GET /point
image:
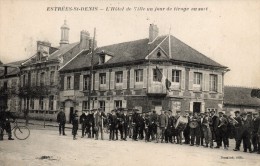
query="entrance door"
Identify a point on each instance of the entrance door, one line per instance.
(71, 113)
(197, 107)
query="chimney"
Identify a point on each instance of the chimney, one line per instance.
(64, 34)
(153, 32)
(84, 40)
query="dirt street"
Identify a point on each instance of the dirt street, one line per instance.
(46, 147)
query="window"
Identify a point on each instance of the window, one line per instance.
(69, 82)
(213, 82)
(197, 78)
(51, 100)
(102, 59)
(42, 79)
(86, 82)
(52, 78)
(157, 75)
(32, 104)
(119, 77)
(102, 104)
(85, 105)
(139, 75)
(176, 75)
(118, 103)
(102, 77)
(41, 103)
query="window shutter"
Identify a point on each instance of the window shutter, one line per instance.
(125, 79)
(220, 83)
(96, 81)
(191, 106)
(92, 80)
(206, 82)
(183, 79)
(170, 74)
(54, 103)
(150, 77)
(72, 82)
(203, 81)
(62, 82)
(132, 78)
(191, 80)
(47, 78)
(81, 83)
(112, 80)
(107, 80)
(144, 78)
(111, 104)
(76, 81)
(65, 83)
(56, 77)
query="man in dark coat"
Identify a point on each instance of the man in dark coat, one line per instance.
(5, 119)
(61, 119)
(154, 118)
(83, 121)
(255, 139)
(135, 123)
(75, 124)
(186, 131)
(141, 126)
(244, 134)
(222, 129)
(112, 120)
(125, 120)
(170, 125)
(91, 124)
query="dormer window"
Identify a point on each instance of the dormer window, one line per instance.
(159, 54)
(104, 57)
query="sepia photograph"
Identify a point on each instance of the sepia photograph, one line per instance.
(123, 83)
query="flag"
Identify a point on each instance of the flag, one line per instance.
(161, 77)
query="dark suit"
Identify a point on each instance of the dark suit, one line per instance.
(61, 119)
(125, 120)
(255, 138)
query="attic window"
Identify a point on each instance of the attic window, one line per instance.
(159, 54)
(102, 59)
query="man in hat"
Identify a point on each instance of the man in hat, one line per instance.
(186, 131)
(75, 124)
(163, 122)
(154, 118)
(222, 128)
(83, 122)
(255, 138)
(61, 119)
(91, 124)
(206, 130)
(98, 124)
(125, 121)
(214, 122)
(168, 132)
(195, 129)
(244, 134)
(135, 123)
(5, 119)
(141, 126)
(112, 122)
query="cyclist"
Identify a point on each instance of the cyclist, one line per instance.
(5, 119)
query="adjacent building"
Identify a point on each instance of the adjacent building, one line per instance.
(126, 75)
(240, 99)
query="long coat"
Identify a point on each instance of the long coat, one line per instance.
(163, 120)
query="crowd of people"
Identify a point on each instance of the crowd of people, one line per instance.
(198, 129)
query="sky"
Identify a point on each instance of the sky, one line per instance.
(226, 32)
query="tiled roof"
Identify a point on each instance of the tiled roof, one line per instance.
(12, 69)
(62, 50)
(239, 96)
(139, 49)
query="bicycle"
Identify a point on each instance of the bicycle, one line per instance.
(20, 132)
